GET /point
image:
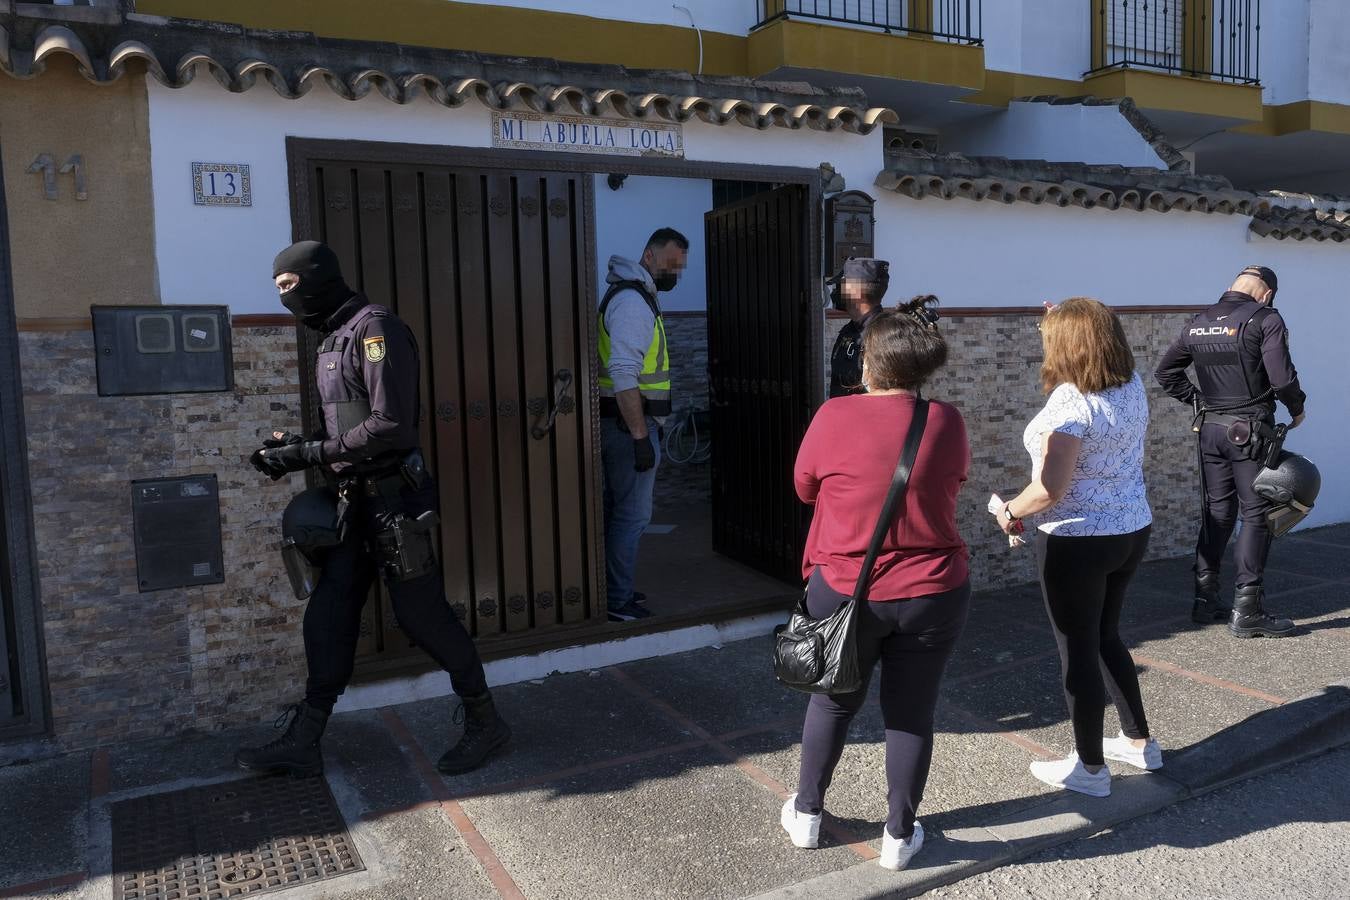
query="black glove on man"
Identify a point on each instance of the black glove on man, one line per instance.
(288, 453)
(644, 454)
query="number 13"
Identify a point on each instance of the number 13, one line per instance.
(228, 179)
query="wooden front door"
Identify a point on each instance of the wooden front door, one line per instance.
(489, 269)
(759, 334)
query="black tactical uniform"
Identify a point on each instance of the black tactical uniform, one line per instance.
(846, 358)
(1240, 351)
(367, 380)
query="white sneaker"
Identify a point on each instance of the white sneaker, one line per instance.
(1068, 773)
(1122, 749)
(803, 828)
(895, 853)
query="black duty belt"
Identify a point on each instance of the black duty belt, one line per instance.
(1225, 421)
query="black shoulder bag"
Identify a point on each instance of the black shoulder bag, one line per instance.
(820, 656)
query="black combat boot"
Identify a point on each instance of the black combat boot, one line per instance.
(1250, 618)
(296, 752)
(1207, 608)
(484, 731)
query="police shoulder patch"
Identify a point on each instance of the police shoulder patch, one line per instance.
(374, 349)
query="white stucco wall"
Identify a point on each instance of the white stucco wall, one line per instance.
(1038, 37)
(626, 217)
(1328, 51)
(1284, 53)
(991, 254)
(1061, 133)
(224, 255)
(969, 254)
(728, 16)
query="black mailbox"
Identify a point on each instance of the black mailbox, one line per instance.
(177, 527)
(162, 349)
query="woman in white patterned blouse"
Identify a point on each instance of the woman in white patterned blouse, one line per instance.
(1087, 501)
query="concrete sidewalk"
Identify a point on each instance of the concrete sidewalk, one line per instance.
(663, 778)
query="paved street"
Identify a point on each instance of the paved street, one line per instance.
(662, 778)
(1282, 835)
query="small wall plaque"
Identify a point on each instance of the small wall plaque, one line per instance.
(580, 134)
(221, 184)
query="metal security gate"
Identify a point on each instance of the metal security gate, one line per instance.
(489, 269)
(22, 694)
(10, 695)
(759, 336)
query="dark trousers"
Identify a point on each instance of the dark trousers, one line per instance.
(333, 617)
(1229, 476)
(1083, 580)
(913, 639)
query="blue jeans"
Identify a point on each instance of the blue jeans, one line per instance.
(628, 506)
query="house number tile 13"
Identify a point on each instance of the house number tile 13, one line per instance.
(221, 184)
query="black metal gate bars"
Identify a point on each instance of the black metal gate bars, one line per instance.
(488, 267)
(759, 321)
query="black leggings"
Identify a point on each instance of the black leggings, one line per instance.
(333, 617)
(913, 639)
(1083, 580)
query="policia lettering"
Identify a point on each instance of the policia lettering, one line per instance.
(1239, 348)
(378, 514)
(654, 379)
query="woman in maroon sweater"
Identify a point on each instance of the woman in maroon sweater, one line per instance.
(920, 592)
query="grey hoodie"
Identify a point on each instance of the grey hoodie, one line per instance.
(630, 323)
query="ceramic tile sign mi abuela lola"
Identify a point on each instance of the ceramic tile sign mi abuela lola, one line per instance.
(579, 134)
(221, 184)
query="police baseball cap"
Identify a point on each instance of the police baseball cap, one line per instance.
(1265, 274)
(866, 269)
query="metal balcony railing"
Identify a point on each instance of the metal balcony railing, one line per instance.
(954, 21)
(1217, 39)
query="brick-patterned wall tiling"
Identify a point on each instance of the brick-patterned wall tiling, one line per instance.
(122, 664)
(993, 377)
(682, 486)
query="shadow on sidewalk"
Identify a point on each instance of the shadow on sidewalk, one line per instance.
(663, 733)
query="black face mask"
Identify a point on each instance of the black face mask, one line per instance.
(665, 281)
(321, 290)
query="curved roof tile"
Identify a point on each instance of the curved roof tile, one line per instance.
(919, 174)
(175, 51)
(1302, 224)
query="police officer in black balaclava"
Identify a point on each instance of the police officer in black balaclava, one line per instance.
(367, 381)
(857, 290)
(1240, 350)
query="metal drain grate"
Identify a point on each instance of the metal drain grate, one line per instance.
(235, 839)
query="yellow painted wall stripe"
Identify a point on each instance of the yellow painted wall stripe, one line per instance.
(810, 45)
(505, 30)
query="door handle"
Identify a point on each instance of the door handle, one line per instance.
(561, 403)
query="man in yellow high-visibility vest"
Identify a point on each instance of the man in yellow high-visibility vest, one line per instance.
(634, 400)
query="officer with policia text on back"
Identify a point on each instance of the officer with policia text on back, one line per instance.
(858, 290)
(1240, 350)
(634, 381)
(379, 516)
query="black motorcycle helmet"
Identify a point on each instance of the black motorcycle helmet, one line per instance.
(1291, 487)
(309, 529)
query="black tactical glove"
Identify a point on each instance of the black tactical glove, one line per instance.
(644, 454)
(286, 437)
(289, 457)
(256, 460)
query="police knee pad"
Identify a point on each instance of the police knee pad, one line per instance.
(407, 547)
